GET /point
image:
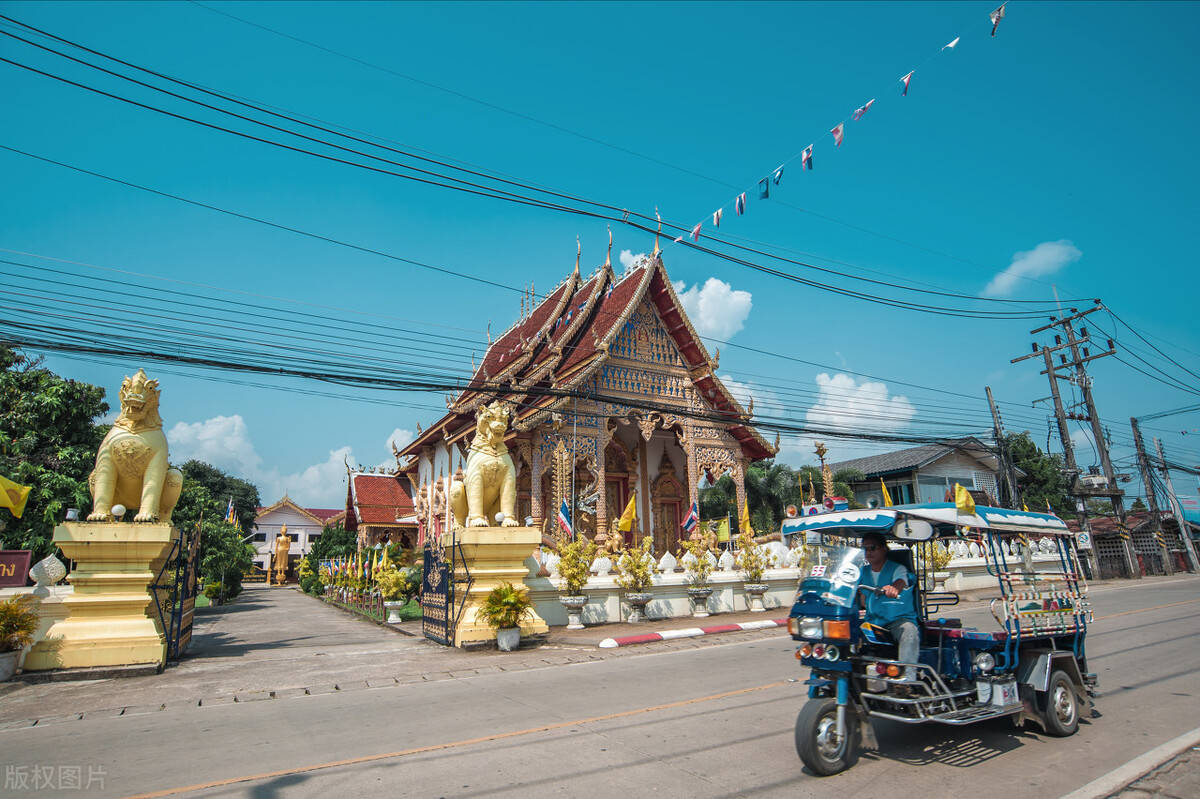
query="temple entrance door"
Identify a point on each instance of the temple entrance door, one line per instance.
(666, 526)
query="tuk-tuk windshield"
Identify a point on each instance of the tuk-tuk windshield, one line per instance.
(830, 569)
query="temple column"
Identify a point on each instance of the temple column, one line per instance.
(739, 481)
(602, 485)
(646, 523)
(535, 488)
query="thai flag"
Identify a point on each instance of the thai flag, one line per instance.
(692, 519)
(740, 203)
(564, 518)
(839, 132)
(696, 231)
(858, 112)
(906, 80)
(806, 158)
(717, 217)
(230, 513)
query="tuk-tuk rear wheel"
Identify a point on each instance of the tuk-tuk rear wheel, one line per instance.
(1061, 714)
(817, 742)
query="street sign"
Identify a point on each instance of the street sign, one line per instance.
(1083, 539)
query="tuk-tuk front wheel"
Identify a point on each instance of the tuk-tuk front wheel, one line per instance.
(1061, 715)
(818, 743)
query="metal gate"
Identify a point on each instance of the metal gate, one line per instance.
(1110, 556)
(442, 604)
(174, 592)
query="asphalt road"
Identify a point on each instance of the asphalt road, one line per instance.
(716, 720)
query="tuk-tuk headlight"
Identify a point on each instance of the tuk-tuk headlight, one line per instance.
(811, 628)
(984, 662)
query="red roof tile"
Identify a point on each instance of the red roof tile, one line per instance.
(610, 311)
(324, 514)
(381, 498)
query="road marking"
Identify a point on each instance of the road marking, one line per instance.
(1152, 607)
(1121, 776)
(453, 744)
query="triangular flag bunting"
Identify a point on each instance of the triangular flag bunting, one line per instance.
(778, 176)
(717, 217)
(838, 133)
(740, 204)
(806, 158)
(696, 231)
(952, 44)
(905, 80)
(858, 112)
(764, 189)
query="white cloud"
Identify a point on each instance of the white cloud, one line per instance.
(224, 442)
(1044, 259)
(628, 259)
(716, 310)
(845, 404)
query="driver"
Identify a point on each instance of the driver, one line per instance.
(892, 607)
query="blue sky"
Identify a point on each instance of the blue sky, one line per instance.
(1069, 137)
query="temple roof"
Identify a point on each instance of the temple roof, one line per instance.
(566, 338)
(378, 499)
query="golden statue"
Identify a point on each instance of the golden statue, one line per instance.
(283, 545)
(131, 464)
(489, 485)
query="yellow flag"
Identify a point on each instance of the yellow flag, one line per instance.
(962, 500)
(629, 516)
(385, 562)
(887, 498)
(13, 496)
(744, 519)
(1024, 507)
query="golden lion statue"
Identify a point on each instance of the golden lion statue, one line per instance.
(131, 464)
(489, 484)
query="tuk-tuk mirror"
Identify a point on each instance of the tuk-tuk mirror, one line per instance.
(907, 529)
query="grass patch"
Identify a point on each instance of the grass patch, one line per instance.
(410, 611)
(202, 601)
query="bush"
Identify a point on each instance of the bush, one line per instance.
(212, 591)
(18, 622)
(750, 559)
(635, 568)
(399, 585)
(506, 606)
(575, 564)
(698, 571)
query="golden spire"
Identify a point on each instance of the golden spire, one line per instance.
(608, 257)
(578, 254)
(657, 249)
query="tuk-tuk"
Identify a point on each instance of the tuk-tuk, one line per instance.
(1032, 668)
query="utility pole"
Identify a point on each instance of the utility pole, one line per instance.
(1151, 497)
(1006, 464)
(1184, 533)
(1082, 487)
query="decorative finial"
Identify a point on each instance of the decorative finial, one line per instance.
(489, 332)
(608, 257)
(578, 254)
(657, 249)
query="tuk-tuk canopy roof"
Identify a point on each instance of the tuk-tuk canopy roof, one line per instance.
(937, 514)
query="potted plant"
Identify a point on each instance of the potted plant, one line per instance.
(397, 586)
(575, 567)
(504, 609)
(698, 567)
(635, 573)
(752, 563)
(18, 623)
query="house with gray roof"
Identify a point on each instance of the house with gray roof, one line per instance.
(926, 473)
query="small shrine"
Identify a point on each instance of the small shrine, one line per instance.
(612, 395)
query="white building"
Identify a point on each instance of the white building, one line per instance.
(304, 526)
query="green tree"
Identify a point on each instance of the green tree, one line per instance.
(48, 441)
(222, 487)
(335, 542)
(1138, 506)
(1043, 478)
(224, 558)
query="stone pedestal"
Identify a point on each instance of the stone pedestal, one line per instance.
(494, 555)
(108, 614)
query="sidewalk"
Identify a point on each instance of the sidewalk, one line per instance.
(276, 643)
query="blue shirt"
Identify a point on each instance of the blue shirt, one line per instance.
(884, 610)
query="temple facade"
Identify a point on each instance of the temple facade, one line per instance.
(612, 394)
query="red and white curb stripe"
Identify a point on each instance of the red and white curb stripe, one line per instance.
(690, 632)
